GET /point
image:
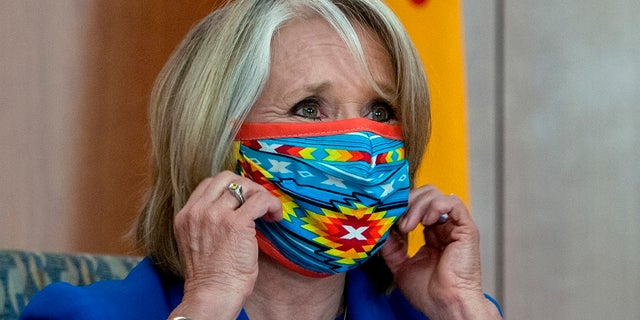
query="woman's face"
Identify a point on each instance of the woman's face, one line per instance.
(314, 77)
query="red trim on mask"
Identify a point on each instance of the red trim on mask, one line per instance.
(268, 248)
(271, 130)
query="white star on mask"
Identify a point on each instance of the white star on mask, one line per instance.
(333, 181)
(279, 166)
(354, 233)
(271, 148)
(388, 188)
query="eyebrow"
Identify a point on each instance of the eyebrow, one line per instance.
(318, 87)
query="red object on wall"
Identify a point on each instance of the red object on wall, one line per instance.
(419, 2)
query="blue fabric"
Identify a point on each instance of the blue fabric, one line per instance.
(141, 295)
(495, 302)
(24, 273)
(144, 294)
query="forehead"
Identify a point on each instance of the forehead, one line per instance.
(309, 44)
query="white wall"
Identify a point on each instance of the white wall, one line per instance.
(570, 88)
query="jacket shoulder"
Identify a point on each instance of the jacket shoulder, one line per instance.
(141, 294)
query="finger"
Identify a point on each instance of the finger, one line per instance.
(438, 207)
(252, 200)
(260, 203)
(237, 191)
(394, 251)
(209, 190)
(451, 206)
(419, 200)
(196, 194)
(432, 238)
(219, 190)
(213, 196)
(460, 224)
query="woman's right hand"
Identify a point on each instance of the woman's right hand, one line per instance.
(216, 239)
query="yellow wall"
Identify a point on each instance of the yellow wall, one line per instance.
(436, 29)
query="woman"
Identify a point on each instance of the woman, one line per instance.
(284, 137)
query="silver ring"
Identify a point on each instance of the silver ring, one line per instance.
(236, 191)
(443, 218)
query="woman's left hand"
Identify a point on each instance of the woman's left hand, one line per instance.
(443, 279)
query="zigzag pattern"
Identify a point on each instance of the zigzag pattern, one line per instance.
(261, 176)
(350, 233)
(329, 154)
(338, 205)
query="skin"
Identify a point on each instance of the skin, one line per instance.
(315, 78)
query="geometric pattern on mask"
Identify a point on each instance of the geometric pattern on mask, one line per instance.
(328, 154)
(350, 233)
(338, 204)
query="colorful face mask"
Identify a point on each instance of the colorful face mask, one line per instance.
(342, 185)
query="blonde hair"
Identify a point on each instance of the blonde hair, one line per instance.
(215, 76)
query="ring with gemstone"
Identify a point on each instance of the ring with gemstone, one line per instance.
(236, 191)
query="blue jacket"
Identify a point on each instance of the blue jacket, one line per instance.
(144, 294)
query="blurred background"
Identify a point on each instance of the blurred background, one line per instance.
(553, 89)
(551, 109)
